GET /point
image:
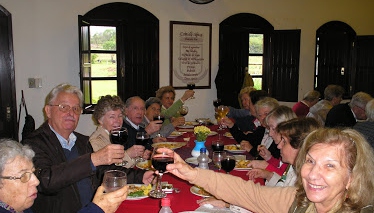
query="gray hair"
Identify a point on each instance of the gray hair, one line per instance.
(360, 99)
(130, 100)
(333, 91)
(272, 103)
(10, 149)
(106, 104)
(52, 95)
(152, 100)
(370, 110)
(280, 114)
(312, 95)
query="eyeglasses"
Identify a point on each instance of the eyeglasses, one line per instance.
(66, 108)
(24, 178)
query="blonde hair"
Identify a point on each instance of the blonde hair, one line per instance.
(359, 159)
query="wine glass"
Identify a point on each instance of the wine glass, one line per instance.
(159, 118)
(217, 157)
(114, 179)
(183, 110)
(220, 113)
(228, 163)
(142, 138)
(217, 102)
(191, 86)
(161, 157)
(218, 145)
(119, 135)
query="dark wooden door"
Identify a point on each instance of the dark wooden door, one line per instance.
(8, 106)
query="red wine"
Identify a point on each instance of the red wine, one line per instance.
(159, 118)
(191, 86)
(159, 163)
(141, 141)
(218, 147)
(118, 137)
(228, 164)
(183, 113)
(217, 102)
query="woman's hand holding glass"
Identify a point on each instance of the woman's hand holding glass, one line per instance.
(114, 180)
(119, 135)
(142, 139)
(161, 157)
(109, 202)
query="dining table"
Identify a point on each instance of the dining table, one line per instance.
(184, 198)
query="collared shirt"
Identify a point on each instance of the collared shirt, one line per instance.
(65, 143)
(132, 124)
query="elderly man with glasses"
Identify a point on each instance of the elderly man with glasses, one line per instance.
(68, 169)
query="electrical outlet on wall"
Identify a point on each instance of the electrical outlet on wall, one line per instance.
(32, 83)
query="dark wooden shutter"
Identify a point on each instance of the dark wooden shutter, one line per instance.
(285, 66)
(363, 76)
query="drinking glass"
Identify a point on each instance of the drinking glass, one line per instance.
(142, 138)
(217, 157)
(159, 118)
(114, 179)
(221, 112)
(218, 145)
(217, 102)
(228, 163)
(183, 110)
(161, 157)
(191, 86)
(119, 135)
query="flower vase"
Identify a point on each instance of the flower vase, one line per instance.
(196, 150)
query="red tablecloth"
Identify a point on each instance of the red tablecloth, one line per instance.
(185, 200)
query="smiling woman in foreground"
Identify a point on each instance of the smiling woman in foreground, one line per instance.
(334, 168)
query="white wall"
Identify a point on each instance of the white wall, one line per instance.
(45, 37)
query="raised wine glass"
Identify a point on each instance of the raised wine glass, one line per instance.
(220, 113)
(191, 86)
(114, 180)
(183, 110)
(161, 157)
(218, 145)
(142, 138)
(159, 118)
(217, 157)
(228, 163)
(119, 135)
(217, 102)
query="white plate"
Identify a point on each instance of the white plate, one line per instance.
(227, 148)
(145, 165)
(228, 135)
(193, 160)
(175, 134)
(170, 145)
(195, 190)
(242, 168)
(136, 198)
(212, 133)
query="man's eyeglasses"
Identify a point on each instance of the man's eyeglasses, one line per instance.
(24, 178)
(66, 108)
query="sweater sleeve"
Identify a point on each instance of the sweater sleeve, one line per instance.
(247, 194)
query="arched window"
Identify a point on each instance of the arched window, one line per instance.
(119, 46)
(249, 43)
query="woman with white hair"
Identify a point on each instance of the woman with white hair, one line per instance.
(367, 127)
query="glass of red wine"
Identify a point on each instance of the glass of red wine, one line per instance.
(228, 163)
(191, 86)
(217, 145)
(161, 157)
(159, 118)
(119, 135)
(142, 138)
(217, 102)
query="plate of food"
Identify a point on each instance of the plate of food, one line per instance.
(175, 134)
(193, 160)
(199, 191)
(138, 191)
(212, 133)
(228, 135)
(189, 124)
(242, 165)
(170, 145)
(233, 148)
(145, 165)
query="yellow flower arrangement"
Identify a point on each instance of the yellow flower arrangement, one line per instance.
(201, 132)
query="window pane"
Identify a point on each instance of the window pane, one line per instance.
(101, 88)
(257, 83)
(256, 43)
(103, 38)
(86, 90)
(255, 65)
(104, 65)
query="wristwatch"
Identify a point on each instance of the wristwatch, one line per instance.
(201, 1)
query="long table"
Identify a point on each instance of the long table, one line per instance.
(184, 200)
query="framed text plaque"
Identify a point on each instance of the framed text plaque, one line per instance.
(190, 54)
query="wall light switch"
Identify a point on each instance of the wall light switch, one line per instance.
(31, 82)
